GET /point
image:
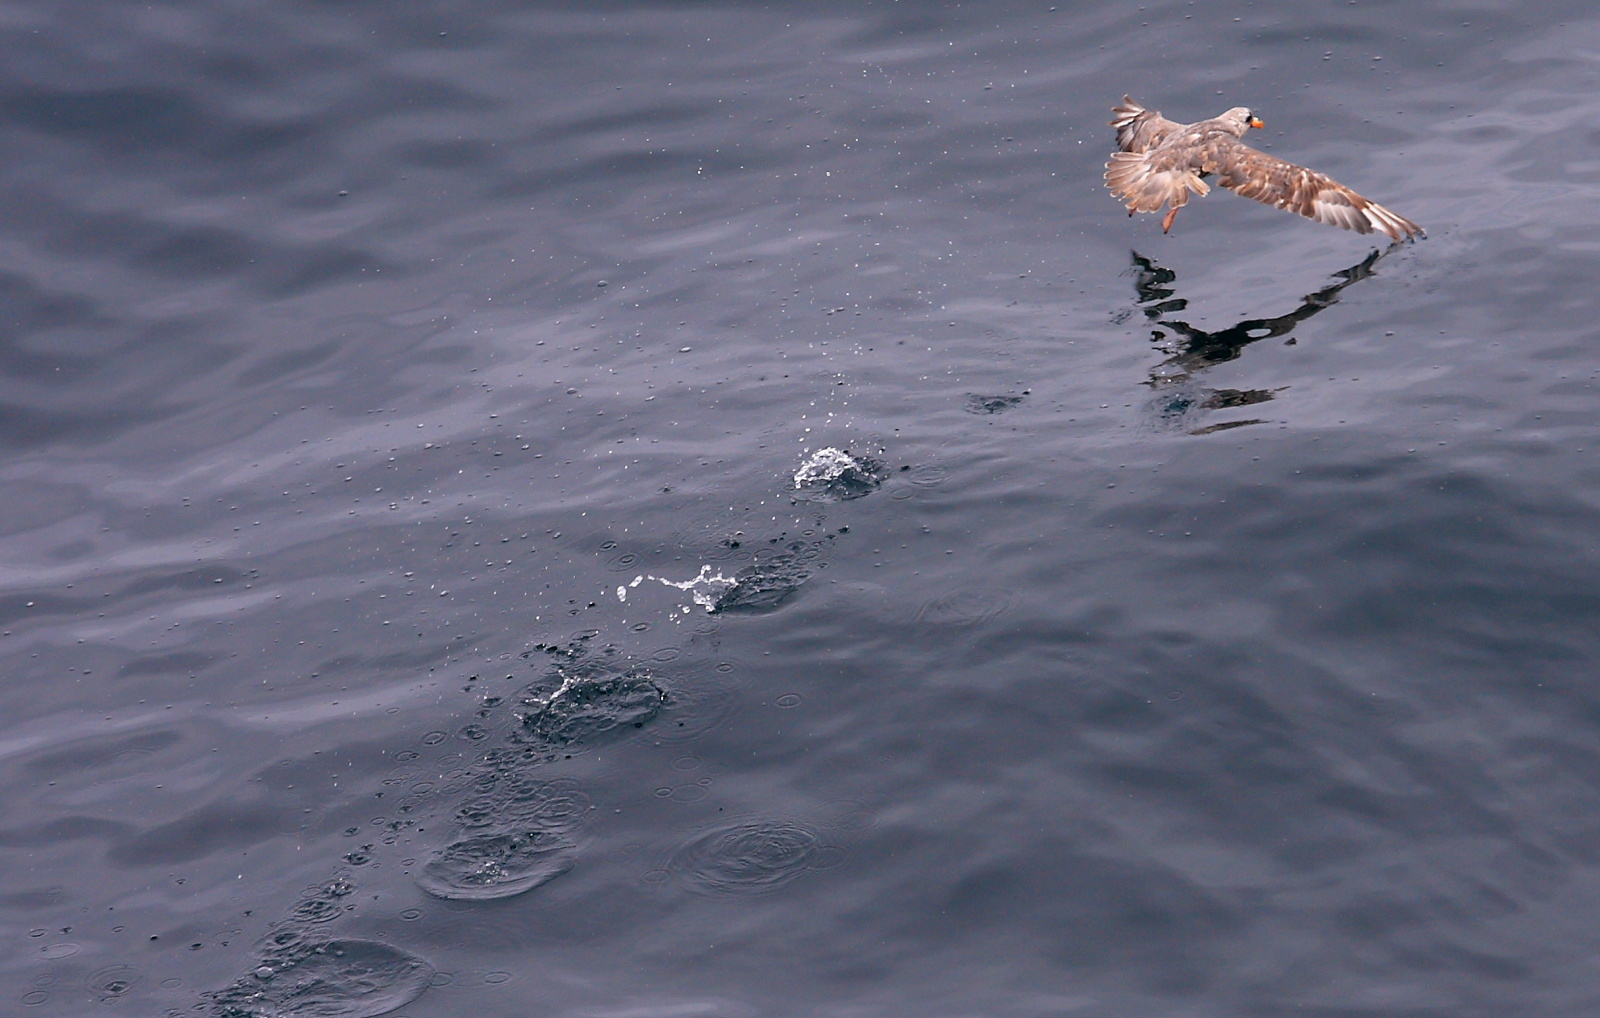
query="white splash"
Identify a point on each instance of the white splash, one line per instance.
(705, 588)
(567, 682)
(823, 466)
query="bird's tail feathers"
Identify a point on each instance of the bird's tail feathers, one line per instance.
(1126, 112)
(1131, 178)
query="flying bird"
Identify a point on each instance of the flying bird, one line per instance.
(1162, 162)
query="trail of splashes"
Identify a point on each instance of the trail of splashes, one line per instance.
(706, 589)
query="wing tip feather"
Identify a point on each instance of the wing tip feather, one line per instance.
(1398, 227)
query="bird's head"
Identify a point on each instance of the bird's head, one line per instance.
(1242, 119)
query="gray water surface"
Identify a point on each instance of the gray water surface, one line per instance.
(1205, 624)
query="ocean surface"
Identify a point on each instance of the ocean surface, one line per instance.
(709, 510)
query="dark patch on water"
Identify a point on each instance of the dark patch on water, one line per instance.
(581, 702)
(1223, 399)
(764, 585)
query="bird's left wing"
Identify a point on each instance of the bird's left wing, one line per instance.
(1272, 181)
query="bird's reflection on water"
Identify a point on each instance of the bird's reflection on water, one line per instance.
(1190, 350)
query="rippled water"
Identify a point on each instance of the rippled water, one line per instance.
(1202, 624)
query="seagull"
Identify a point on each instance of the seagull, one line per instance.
(1160, 162)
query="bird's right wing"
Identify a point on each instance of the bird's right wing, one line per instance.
(1139, 129)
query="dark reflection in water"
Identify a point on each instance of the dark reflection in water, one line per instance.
(1191, 349)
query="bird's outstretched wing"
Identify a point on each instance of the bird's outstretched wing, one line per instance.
(1271, 181)
(1139, 129)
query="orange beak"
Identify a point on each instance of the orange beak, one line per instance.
(1256, 122)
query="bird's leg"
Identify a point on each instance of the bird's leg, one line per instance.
(1166, 220)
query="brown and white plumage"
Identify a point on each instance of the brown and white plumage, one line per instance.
(1161, 162)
